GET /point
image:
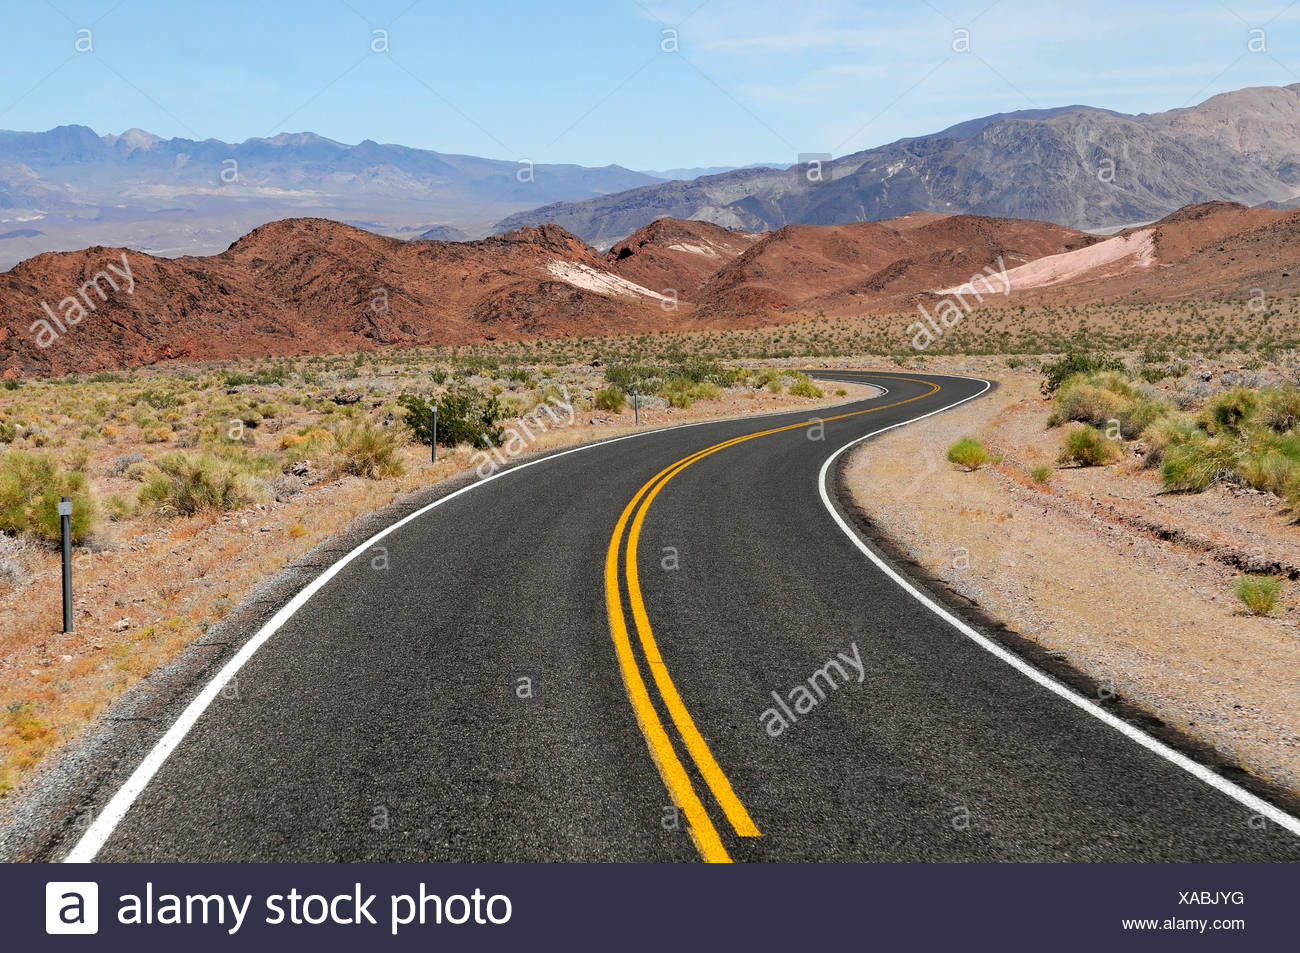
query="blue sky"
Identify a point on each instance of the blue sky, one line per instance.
(592, 82)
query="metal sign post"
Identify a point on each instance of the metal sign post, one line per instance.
(65, 520)
(636, 409)
(433, 438)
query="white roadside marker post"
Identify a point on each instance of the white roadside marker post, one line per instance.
(65, 520)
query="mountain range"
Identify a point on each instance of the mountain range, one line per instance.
(1078, 166)
(305, 286)
(70, 187)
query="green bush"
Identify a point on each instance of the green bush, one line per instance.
(1073, 362)
(365, 450)
(1106, 396)
(1279, 407)
(629, 377)
(1041, 473)
(610, 398)
(31, 485)
(803, 387)
(1291, 493)
(1259, 594)
(969, 453)
(186, 484)
(1163, 434)
(1227, 412)
(1087, 403)
(1196, 463)
(679, 392)
(1268, 470)
(465, 415)
(1086, 446)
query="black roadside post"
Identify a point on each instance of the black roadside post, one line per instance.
(65, 519)
(636, 410)
(433, 434)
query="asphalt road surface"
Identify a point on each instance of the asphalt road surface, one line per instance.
(494, 683)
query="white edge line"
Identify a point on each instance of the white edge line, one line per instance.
(101, 829)
(1159, 748)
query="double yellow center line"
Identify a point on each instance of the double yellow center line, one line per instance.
(662, 752)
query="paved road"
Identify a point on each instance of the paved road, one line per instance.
(385, 721)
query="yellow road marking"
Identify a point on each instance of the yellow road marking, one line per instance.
(676, 780)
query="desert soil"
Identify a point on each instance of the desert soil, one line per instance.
(1133, 586)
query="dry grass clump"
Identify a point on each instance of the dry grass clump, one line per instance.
(1259, 594)
(186, 483)
(365, 450)
(31, 485)
(968, 453)
(1087, 446)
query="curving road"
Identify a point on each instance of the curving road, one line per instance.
(577, 661)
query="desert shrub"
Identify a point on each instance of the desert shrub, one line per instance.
(678, 392)
(517, 376)
(1227, 412)
(1056, 373)
(1291, 493)
(1197, 462)
(305, 444)
(1279, 407)
(123, 462)
(140, 471)
(1086, 446)
(465, 415)
(803, 387)
(1041, 473)
(968, 453)
(1259, 594)
(1163, 434)
(185, 484)
(78, 457)
(610, 398)
(31, 485)
(1154, 373)
(1139, 413)
(1267, 469)
(682, 392)
(8, 432)
(1088, 403)
(733, 376)
(628, 376)
(363, 449)
(1106, 396)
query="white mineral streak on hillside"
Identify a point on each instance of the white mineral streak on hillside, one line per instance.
(1117, 255)
(601, 282)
